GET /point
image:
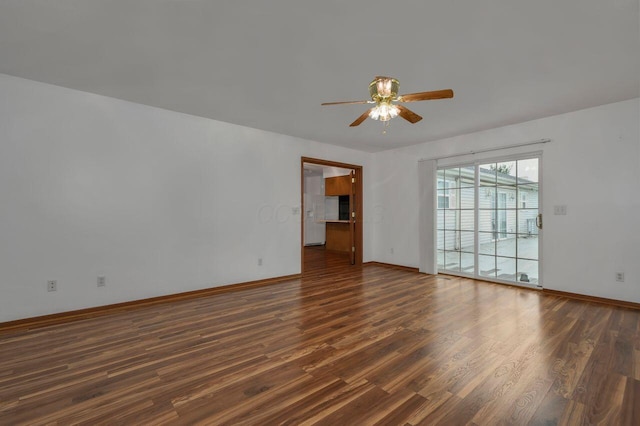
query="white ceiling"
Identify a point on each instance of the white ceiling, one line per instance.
(269, 64)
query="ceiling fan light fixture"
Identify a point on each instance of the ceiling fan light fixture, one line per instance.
(384, 111)
(384, 91)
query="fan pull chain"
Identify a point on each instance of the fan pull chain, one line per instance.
(384, 128)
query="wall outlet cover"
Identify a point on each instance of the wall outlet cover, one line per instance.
(560, 210)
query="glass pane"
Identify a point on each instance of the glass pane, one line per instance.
(467, 220)
(440, 240)
(452, 261)
(511, 221)
(452, 220)
(528, 271)
(440, 260)
(487, 220)
(528, 246)
(443, 199)
(507, 246)
(503, 222)
(454, 198)
(451, 240)
(440, 179)
(487, 197)
(467, 176)
(488, 174)
(506, 172)
(467, 241)
(528, 196)
(502, 200)
(505, 185)
(440, 216)
(528, 170)
(507, 197)
(527, 222)
(487, 266)
(506, 268)
(487, 244)
(467, 196)
(467, 263)
(453, 175)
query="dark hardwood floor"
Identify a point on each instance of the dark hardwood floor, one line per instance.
(341, 346)
(317, 260)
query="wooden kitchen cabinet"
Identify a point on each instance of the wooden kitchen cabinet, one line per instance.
(338, 185)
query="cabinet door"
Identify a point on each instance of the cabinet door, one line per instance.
(338, 237)
(339, 185)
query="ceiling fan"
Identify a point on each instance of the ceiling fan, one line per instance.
(384, 92)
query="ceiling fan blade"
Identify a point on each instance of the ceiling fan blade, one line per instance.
(408, 115)
(360, 119)
(346, 103)
(425, 96)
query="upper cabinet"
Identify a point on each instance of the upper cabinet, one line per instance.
(338, 185)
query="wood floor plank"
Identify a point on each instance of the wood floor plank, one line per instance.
(550, 410)
(631, 402)
(341, 345)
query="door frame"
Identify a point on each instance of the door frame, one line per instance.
(498, 159)
(358, 234)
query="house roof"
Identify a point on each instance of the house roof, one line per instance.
(269, 64)
(500, 177)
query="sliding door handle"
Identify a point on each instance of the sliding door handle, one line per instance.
(539, 221)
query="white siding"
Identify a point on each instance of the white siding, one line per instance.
(456, 223)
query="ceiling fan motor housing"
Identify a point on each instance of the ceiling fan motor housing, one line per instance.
(384, 89)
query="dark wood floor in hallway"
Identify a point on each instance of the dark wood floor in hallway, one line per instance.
(341, 346)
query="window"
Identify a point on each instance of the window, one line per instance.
(443, 201)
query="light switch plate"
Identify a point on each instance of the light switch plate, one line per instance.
(560, 210)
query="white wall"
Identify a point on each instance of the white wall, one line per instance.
(592, 166)
(161, 202)
(158, 202)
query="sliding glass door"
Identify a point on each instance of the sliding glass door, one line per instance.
(487, 220)
(456, 219)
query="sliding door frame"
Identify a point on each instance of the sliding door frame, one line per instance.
(476, 163)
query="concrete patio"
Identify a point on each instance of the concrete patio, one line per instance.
(497, 260)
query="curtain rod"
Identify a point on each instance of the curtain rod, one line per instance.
(487, 150)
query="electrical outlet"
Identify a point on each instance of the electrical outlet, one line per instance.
(391, 250)
(102, 281)
(259, 261)
(620, 277)
(52, 285)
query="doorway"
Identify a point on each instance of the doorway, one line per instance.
(331, 225)
(489, 220)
